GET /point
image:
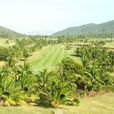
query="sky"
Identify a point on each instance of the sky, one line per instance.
(49, 16)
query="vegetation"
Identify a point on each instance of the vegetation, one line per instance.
(7, 33)
(66, 84)
(48, 57)
(103, 30)
(102, 104)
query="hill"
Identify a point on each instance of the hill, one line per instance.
(7, 33)
(90, 30)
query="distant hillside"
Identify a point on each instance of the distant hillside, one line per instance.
(90, 30)
(7, 33)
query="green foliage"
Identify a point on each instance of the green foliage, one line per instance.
(97, 63)
(103, 30)
(18, 83)
(68, 69)
(53, 91)
(100, 43)
(68, 47)
(7, 33)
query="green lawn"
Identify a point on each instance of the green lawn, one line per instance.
(110, 45)
(25, 110)
(49, 57)
(102, 104)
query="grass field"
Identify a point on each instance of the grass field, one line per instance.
(102, 104)
(49, 57)
(111, 45)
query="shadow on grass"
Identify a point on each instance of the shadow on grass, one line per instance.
(74, 55)
(49, 106)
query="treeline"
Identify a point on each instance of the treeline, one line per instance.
(22, 49)
(84, 36)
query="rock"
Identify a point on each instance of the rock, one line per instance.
(58, 111)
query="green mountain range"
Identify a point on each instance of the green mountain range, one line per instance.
(90, 30)
(7, 33)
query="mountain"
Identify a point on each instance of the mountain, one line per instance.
(90, 30)
(7, 33)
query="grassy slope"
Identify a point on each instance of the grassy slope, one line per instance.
(4, 44)
(102, 104)
(25, 110)
(49, 57)
(111, 45)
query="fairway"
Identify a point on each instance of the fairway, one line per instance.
(102, 104)
(110, 45)
(50, 56)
